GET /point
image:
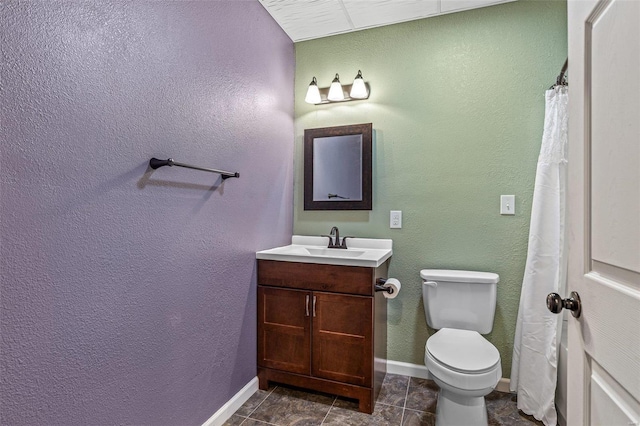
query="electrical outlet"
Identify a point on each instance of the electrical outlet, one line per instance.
(395, 219)
(508, 204)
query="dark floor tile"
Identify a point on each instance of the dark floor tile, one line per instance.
(235, 420)
(503, 411)
(513, 420)
(252, 422)
(493, 419)
(346, 403)
(418, 418)
(422, 395)
(530, 419)
(500, 396)
(394, 390)
(383, 415)
(252, 403)
(500, 404)
(287, 406)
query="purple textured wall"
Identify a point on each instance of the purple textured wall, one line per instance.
(128, 295)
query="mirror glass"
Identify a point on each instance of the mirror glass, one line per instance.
(338, 168)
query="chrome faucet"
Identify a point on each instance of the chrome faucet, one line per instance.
(334, 239)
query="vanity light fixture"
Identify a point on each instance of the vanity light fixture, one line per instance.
(337, 92)
(358, 88)
(313, 93)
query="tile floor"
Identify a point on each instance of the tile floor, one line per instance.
(403, 401)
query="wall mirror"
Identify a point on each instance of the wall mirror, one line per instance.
(337, 168)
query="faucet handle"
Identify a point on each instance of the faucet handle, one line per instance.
(344, 241)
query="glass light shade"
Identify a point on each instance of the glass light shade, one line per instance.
(313, 93)
(359, 89)
(335, 91)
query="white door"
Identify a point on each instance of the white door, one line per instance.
(604, 212)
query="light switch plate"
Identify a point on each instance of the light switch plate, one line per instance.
(395, 219)
(508, 204)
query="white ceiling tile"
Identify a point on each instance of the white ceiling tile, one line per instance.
(307, 19)
(454, 5)
(373, 13)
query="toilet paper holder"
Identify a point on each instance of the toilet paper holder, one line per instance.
(379, 286)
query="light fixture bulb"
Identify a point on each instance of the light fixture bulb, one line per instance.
(335, 91)
(313, 93)
(359, 89)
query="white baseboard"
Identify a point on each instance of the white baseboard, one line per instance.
(236, 401)
(421, 372)
(503, 385)
(407, 369)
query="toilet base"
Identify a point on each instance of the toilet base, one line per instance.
(454, 409)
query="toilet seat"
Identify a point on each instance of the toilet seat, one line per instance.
(463, 359)
(463, 350)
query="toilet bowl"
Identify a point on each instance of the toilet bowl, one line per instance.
(465, 365)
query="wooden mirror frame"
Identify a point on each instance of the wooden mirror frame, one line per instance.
(366, 130)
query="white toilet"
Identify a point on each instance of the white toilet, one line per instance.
(466, 366)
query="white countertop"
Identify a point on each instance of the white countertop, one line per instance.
(368, 252)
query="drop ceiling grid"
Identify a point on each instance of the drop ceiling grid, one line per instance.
(309, 19)
(373, 13)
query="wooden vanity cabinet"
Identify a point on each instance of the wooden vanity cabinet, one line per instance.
(322, 327)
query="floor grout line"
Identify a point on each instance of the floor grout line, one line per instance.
(257, 406)
(332, 404)
(257, 420)
(406, 395)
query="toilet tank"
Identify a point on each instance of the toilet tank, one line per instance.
(459, 299)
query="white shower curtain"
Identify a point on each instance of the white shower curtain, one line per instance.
(534, 369)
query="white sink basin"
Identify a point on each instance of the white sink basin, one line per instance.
(368, 252)
(334, 252)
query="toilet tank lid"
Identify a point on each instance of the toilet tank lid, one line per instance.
(459, 276)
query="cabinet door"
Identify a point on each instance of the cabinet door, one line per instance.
(284, 341)
(342, 337)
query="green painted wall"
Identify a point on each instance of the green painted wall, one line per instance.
(457, 105)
